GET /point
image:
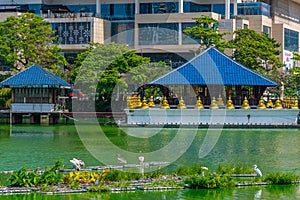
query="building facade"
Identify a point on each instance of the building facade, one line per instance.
(155, 28)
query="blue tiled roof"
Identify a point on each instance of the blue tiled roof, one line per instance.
(213, 67)
(34, 76)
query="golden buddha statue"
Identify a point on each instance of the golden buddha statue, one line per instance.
(270, 103)
(220, 101)
(245, 104)
(165, 104)
(261, 104)
(214, 104)
(295, 104)
(278, 105)
(151, 102)
(130, 103)
(199, 104)
(181, 104)
(144, 104)
(229, 104)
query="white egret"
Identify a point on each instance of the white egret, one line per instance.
(141, 158)
(77, 163)
(121, 160)
(203, 168)
(257, 171)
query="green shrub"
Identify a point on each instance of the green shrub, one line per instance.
(281, 178)
(209, 181)
(154, 174)
(99, 188)
(234, 169)
(117, 175)
(187, 170)
(28, 178)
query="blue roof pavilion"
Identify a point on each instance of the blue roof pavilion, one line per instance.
(36, 90)
(212, 74)
(35, 76)
(204, 68)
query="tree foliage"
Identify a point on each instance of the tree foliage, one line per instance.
(256, 51)
(104, 67)
(206, 31)
(26, 39)
(292, 79)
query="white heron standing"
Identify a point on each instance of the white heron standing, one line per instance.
(77, 163)
(141, 158)
(257, 171)
(203, 168)
(121, 160)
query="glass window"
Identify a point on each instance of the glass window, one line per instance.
(72, 33)
(267, 30)
(220, 9)
(258, 8)
(122, 32)
(187, 39)
(291, 40)
(193, 7)
(158, 34)
(160, 7)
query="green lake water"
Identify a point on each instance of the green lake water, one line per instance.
(271, 149)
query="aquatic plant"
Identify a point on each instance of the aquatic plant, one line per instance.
(163, 183)
(236, 168)
(84, 177)
(117, 175)
(209, 181)
(99, 188)
(281, 178)
(30, 178)
(189, 170)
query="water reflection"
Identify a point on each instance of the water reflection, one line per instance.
(283, 192)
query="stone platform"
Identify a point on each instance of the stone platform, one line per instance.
(157, 116)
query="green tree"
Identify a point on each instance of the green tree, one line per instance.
(206, 31)
(292, 79)
(5, 97)
(104, 67)
(26, 39)
(256, 51)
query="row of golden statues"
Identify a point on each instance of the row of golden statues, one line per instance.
(135, 102)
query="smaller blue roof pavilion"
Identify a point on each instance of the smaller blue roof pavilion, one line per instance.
(35, 76)
(212, 67)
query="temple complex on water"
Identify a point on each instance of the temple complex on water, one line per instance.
(211, 89)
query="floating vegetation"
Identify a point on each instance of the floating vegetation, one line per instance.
(53, 180)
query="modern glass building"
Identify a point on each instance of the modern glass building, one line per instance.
(155, 28)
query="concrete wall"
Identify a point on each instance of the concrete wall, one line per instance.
(207, 116)
(31, 107)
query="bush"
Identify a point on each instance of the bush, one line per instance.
(186, 170)
(99, 188)
(28, 178)
(281, 178)
(234, 169)
(84, 177)
(209, 181)
(117, 175)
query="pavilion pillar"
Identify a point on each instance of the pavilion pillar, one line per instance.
(239, 99)
(35, 118)
(17, 118)
(53, 118)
